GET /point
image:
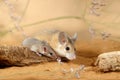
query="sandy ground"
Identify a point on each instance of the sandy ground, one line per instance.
(54, 72)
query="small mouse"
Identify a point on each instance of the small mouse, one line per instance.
(39, 47)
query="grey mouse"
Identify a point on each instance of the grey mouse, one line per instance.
(39, 47)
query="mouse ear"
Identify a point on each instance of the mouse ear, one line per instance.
(62, 38)
(74, 37)
(44, 49)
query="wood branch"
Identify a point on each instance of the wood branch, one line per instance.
(20, 56)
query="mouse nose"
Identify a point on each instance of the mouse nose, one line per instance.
(71, 56)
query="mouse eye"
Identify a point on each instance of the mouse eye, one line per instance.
(67, 48)
(51, 53)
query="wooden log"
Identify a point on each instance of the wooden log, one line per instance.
(19, 56)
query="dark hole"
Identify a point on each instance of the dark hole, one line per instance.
(75, 49)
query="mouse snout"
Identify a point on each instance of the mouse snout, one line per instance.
(53, 55)
(70, 56)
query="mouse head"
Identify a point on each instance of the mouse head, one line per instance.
(48, 51)
(66, 45)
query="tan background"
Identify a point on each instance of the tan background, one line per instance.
(40, 10)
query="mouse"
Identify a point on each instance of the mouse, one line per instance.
(39, 47)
